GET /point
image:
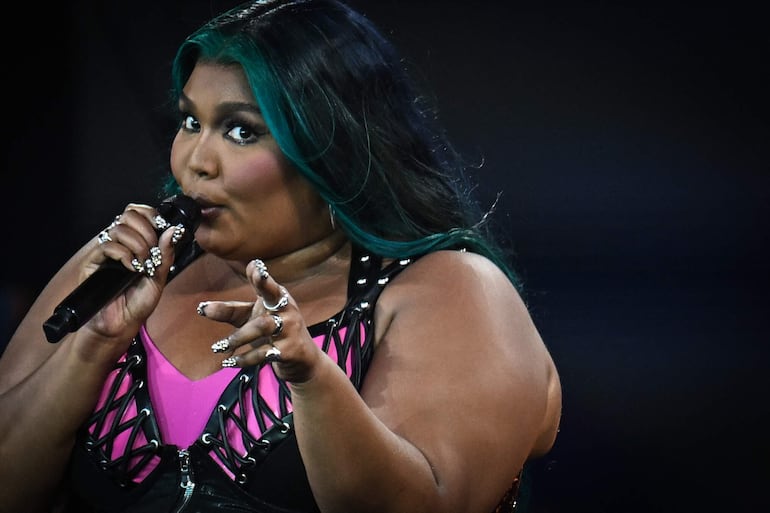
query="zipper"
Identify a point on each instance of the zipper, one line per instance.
(186, 482)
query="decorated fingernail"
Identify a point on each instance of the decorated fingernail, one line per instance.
(160, 222)
(261, 268)
(155, 256)
(221, 346)
(114, 222)
(273, 355)
(230, 362)
(138, 267)
(202, 308)
(149, 267)
(178, 233)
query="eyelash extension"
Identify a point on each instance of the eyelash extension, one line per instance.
(253, 128)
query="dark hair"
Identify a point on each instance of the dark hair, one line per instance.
(338, 100)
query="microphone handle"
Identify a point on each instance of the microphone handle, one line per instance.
(100, 288)
(112, 278)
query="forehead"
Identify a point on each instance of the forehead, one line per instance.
(225, 82)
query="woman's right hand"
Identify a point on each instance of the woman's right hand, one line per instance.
(61, 382)
(132, 240)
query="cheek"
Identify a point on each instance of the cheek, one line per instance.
(175, 159)
(258, 176)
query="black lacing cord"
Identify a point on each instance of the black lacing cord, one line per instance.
(227, 414)
(356, 316)
(351, 344)
(146, 451)
(230, 415)
(130, 368)
(122, 466)
(99, 417)
(220, 445)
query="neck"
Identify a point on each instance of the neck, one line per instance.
(307, 262)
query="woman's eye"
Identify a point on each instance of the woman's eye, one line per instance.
(241, 134)
(190, 124)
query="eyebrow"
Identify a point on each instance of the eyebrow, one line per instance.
(226, 108)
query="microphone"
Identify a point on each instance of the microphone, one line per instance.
(112, 278)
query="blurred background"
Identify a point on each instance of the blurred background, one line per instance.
(631, 148)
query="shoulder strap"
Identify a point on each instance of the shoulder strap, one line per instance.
(368, 278)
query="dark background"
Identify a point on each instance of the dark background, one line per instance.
(630, 145)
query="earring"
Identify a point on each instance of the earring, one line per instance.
(331, 216)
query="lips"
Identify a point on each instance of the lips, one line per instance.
(208, 207)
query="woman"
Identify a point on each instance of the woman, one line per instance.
(342, 335)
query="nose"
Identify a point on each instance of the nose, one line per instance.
(202, 159)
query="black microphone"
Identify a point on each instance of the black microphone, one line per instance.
(112, 278)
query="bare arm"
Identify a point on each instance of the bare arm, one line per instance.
(48, 390)
(460, 393)
(457, 398)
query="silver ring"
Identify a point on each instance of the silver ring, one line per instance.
(280, 305)
(103, 237)
(278, 325)
(273, 355)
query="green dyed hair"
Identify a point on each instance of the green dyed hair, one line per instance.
(338, 101)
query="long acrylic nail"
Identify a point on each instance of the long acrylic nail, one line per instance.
(221, 346)
(230, 362)
(160, 222)
(201, 309)
(261, 268)
(156, 256)
(149, 267)
(178, 234)
(138, 267)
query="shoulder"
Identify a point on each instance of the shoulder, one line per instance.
(456, 281)
(453, 326)
(450, 298)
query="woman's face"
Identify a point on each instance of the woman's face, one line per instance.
(254, 203)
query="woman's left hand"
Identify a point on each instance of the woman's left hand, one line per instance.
(270, 329)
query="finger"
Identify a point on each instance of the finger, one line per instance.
(254, 333)
(265, 353)
(236, 313)
(274, 296)
(158, 261)
(141, 218)
(131, 239)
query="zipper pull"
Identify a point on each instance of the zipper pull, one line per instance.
(186, 482)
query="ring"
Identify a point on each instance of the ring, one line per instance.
(278, 325)
(280, 305)
(103, 237)
(273, 355)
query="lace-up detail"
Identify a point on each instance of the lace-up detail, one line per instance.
(253, 414)
(118, 421)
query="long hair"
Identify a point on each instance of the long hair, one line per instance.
(339, 102)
